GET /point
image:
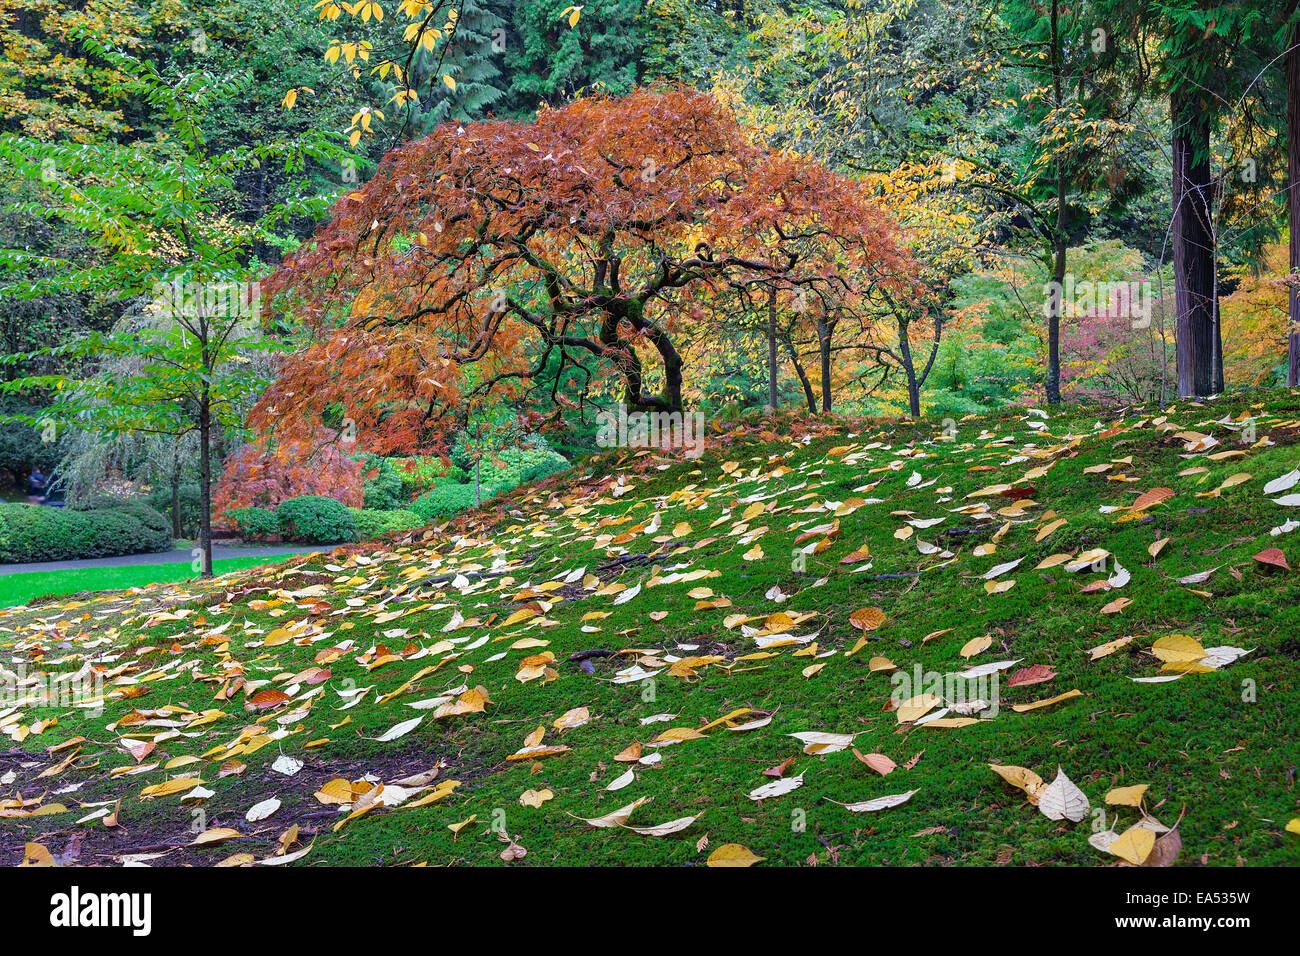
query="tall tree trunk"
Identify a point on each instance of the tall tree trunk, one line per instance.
(1057, 302)
(205, 451)
(771, 350)
(1056, 305)
(176, 496)
(909, 366)
(1293, 195)
(824, 330)
(205, 479)
(808, 395)
(1193, 248)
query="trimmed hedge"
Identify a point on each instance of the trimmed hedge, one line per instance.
(33, 533)
(307, 519)
(532, 461)
(371, 523)
(315, 519)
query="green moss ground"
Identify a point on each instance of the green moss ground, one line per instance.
(1217, 749)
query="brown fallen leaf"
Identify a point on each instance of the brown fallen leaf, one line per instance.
(1166, 850)
(877, 762)
(1273, 557)
(867, 618)
(929, 831)
(779, 770)
(1034, 674)
(1151, 498)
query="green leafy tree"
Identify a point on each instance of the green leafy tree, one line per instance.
(1073, 115)
(485, 434)
(262, 42)
(160, 212)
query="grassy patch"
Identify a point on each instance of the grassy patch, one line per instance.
(16, 589)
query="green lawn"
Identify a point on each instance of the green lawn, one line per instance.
(16, 589)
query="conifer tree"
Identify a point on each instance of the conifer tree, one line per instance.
(473, 62)
(555, 58)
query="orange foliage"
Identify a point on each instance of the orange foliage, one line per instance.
(1255, 321)
(600, 229)
(257, 475)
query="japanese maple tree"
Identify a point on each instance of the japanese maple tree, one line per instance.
(260, 476)
(600, 230)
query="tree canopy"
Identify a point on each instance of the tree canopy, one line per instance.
(599, 230)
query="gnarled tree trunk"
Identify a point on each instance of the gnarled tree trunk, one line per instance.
(808, 394)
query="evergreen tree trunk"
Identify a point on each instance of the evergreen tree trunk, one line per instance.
(1193, 249)
(1057, 301)
(1293, 196)
(771, 350)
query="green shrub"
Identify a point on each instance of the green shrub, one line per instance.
(383, 490)
(421, 474)
(315, 519)
(253, 522)
(32, 533)
(191, 506)
(157, 526)
(533, 460)
(541, 470)
(444, 491)
(371, 524)
(447, 500)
